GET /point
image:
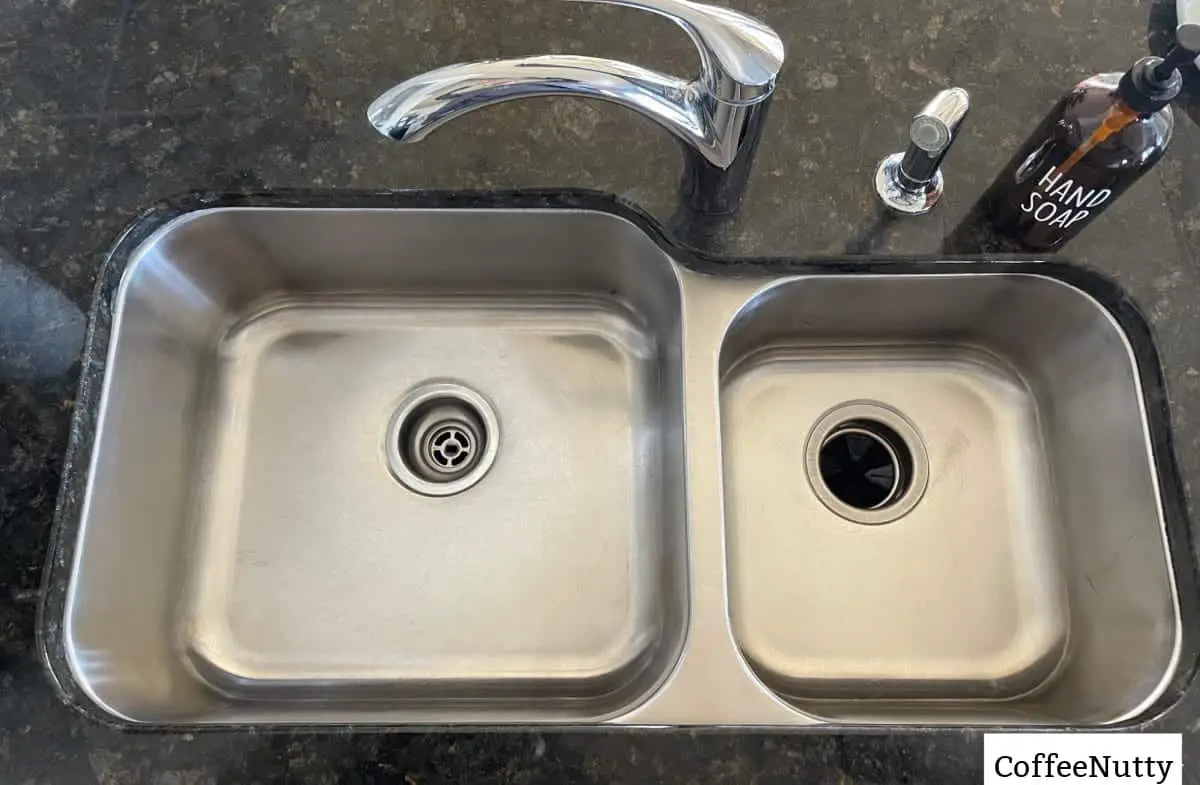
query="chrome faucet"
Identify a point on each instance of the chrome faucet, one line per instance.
(718, 115)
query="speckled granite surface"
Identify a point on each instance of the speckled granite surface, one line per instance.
(109, 105)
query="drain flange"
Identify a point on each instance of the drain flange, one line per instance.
(442, 439)
(866, 462)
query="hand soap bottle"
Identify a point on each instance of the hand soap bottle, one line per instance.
(1099, 138)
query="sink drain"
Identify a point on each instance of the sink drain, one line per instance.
(450, 449)
(866, 462)
(442, 439)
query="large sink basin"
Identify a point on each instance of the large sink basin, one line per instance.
(426, 461)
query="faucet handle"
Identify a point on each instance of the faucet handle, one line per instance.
(740, 55)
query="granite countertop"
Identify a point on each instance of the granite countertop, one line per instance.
(107, 106)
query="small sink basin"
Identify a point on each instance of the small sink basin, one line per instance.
(1017, 568)
(420, 461)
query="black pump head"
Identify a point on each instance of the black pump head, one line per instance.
(1145, 88)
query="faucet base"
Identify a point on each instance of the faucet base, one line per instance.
(709, 190)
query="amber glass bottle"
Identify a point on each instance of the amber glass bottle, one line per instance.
(1099, 138)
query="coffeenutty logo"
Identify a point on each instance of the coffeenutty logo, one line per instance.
(1093, 758)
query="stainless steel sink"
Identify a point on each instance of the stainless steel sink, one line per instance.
(439, 464)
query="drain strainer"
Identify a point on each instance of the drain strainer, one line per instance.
(450, 448)
(442, 439)
(866, 462)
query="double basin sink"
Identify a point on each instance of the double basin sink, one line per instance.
(448, 464)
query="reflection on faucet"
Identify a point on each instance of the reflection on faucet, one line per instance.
(718, 116)
(707, 233)
(41, 331)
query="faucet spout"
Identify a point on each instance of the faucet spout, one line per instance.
(412, 109)
(718, 116)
